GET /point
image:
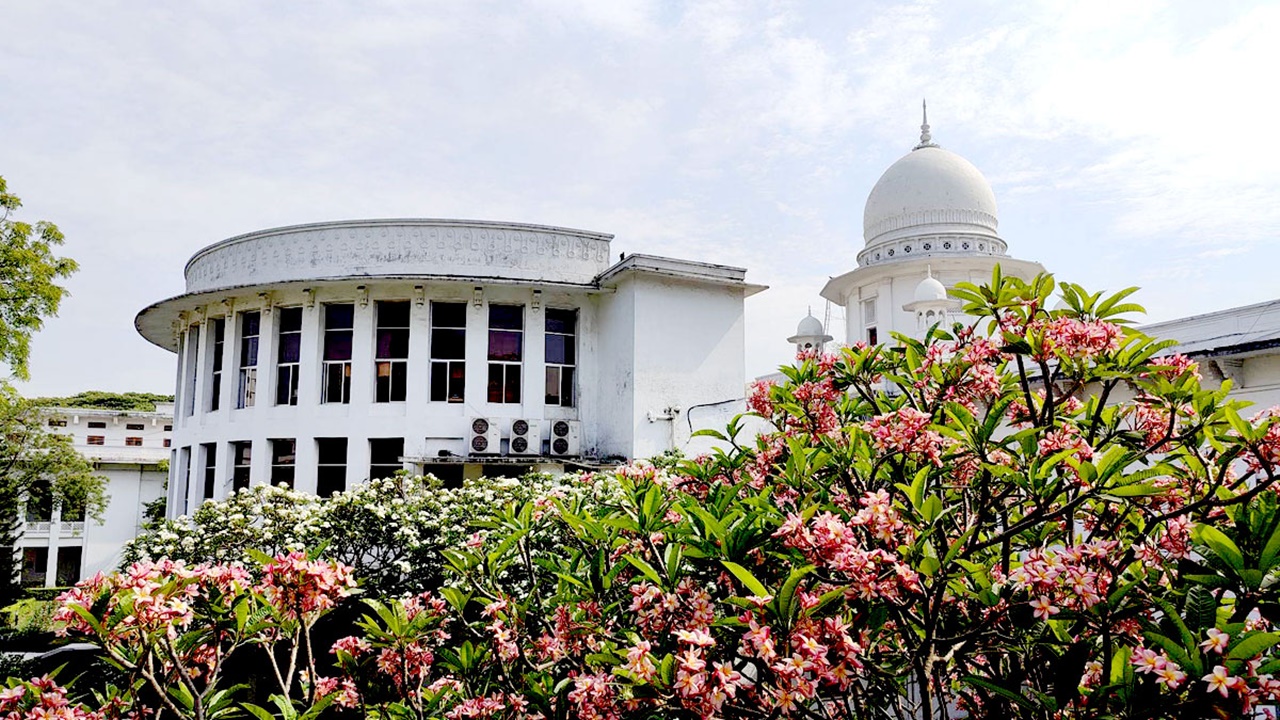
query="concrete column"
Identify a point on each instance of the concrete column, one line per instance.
(477, 385)
(418, 394)
(309, 357)
(362, 352)
(534, 374)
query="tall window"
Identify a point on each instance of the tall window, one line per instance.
(869, 321)
(287, 356)
(392, 353)
(506, 351)
(448, 351)
(241, 456)
(219, 341)
(384, 456)
(68, 568)
(35, 561)
(331, 466)
(192, 348)
(210, 469)
(562, 356)
(284, 454)
(250, 324)
(336, 367)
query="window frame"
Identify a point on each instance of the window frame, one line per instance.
(250, 344)
(287, 371)
(447, 374)
(558, 369)
(507, 391)
(389, 363)
(337, 369)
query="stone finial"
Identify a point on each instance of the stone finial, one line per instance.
(926, 139)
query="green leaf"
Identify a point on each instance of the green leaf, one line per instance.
(746, 578)
(257, 711)
(1220, 544)
(644, 567)
(1019, 700)
(1271, 551)
(1253, 645)
(1201, 608)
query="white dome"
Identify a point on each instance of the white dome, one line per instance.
(930, 289)
(929, 191)
(810, 325)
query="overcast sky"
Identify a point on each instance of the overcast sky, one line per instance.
(1128, 142)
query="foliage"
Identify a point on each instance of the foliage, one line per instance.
(393, 530)
(173, 630)
(29, 615)
(103, 400)
(1035, 516)
(29, 274)
(37, 466)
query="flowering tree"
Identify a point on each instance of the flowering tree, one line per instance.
(392, 531)
(171, 628)
(1035, 516)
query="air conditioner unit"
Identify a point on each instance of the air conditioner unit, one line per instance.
(526, 437)
(566, 437)
(486, 437)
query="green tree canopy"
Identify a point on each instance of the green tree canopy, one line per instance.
(29, 275)
(138, 401)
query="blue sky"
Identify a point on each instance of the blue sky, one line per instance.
(1129, 143)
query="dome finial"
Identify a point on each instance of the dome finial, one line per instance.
(926, 140)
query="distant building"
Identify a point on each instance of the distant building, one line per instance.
(319, 355)
(930, 222)
(59, 546)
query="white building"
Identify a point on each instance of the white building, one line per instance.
(59, 546)
(319, 355)
(930, 222)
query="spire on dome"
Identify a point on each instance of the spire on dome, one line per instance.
(926, 140)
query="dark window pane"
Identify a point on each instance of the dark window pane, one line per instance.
(331, 451)
(291, 320)
(457, 381)
(561, 321)
(495, 383)
(449, 315)
(393, 314)
(249, 323)
(337, 345)
(290, 348)
(506, 317)
(393, 344)
(566, 387)
(555, 349)
(553, 386)
(513, 384)
(249, 352)
(331, 479)
(505, 345)
(283, 452)
(339, 316)
(282, 475)
(448, 344)
(439, 381)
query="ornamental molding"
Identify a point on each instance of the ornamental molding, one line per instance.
(944, 245)
(931, 217)
(388, 248)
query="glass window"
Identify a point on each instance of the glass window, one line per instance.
(241, 455)
(69, 565)
(133, 442)
(283, 461)
(448, 351)
(97, 425)
(134, 426)
(35, 562)
(331, 466)
(210, 469)
(192, 352)
(506, 352)
(97, 440)
(391, 354)
(561, 356)
(288, 355)
(215, 388)
(250, 325)
(336, 366)
(384, 456)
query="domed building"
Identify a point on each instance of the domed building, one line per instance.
(321, 355)
(930, 222)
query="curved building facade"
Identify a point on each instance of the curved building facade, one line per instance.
(320, 355)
